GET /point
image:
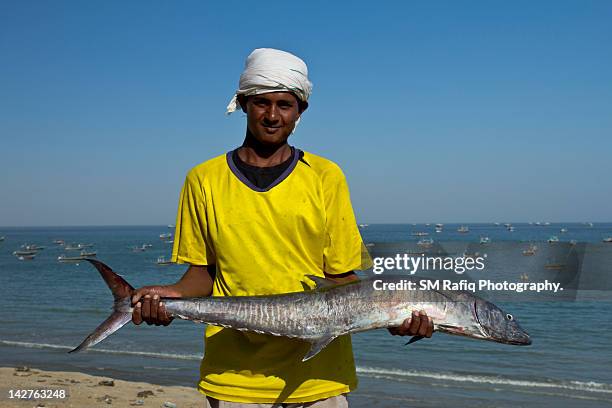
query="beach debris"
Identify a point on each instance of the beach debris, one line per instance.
(106, 398)
(22, 369)
(107, 383)
(160, 390)
(137, 402)
(168, 404)
(145, 394)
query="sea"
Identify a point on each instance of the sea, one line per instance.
(48, 307)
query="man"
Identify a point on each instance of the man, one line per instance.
(255, 221)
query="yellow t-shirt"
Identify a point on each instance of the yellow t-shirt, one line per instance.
(263, 241)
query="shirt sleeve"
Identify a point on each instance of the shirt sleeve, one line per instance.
(344, 250)
(191, 241)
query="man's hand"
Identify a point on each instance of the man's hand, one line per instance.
(419, 324)
(149, 308)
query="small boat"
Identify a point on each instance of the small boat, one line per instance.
(59, 241)
(511, 228)
(72, 247)
(438, 229)
(31, 247)
(485, 240)
(425, 242)
(165, 236)
(2, 238)
(507, 225)
(26, 257)
(531, 250)
(170, 241)
(64, 258)
(163, 261)
(553, 239)
(24, 253)
(87, 254)
(82, 246)
(363, 225)
(420, 234)
(554, 266)
(170, 225)
(608, 240)
(147, 245)
(463, 229)
(563, 230)
(138, 249)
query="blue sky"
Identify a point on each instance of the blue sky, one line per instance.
(437, 111)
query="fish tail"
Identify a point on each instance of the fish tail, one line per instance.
(122, 307)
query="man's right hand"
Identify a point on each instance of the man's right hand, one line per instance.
(149, 308)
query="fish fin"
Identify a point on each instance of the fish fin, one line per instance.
(114, 322)
(317, 346)
(122, 311)
(120, 288)
(414, 339)
(322, 282)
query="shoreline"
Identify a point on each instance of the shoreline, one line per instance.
(88, 390)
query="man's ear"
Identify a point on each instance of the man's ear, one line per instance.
(242, 100)
(302, 106)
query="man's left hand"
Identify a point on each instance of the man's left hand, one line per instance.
(419, 324)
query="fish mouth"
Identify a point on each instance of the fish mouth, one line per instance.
(514, 335)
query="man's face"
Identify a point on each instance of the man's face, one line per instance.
(271, 116)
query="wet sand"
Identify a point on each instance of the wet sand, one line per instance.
(84, 390)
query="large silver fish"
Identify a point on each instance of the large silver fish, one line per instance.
(319, 316)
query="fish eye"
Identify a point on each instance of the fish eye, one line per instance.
(509, 317)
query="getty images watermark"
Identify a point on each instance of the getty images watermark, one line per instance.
(459, 265)
(412, 264)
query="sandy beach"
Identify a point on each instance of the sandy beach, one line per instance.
(84, 390)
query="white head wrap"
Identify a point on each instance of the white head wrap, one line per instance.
(269, 70)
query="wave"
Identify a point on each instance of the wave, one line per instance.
(375, 372)
(586, 386)
(104, 351)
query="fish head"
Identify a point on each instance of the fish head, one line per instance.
(497, 325)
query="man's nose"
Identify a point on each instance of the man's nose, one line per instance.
(272, 114)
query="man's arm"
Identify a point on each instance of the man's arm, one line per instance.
(419, 324)
(196, 282)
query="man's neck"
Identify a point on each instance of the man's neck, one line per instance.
(256, 154)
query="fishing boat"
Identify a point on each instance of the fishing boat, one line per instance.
(24, 253)
(64, 258)
(463, 229)
(554, 266)
(608, 240)
(485, 240)
(163, 261)
(531, 250)
(26, 257)
(31, 247)
(553, 239)
(425, 242)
